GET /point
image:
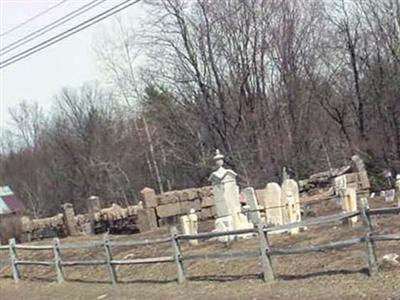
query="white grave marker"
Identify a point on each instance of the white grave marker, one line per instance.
(251, 200)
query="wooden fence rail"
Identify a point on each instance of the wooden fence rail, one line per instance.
(265, 252)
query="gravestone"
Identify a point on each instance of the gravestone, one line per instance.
(189, 225)
(291, 202)
(340, 186)
(349, 204)
(226, 195)
(251, 200)
(224, 224)
(185, 226)
(291, 211)
(390, 195)
(193, 225)
(271, 199)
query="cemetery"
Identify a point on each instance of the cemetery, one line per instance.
(187, 234)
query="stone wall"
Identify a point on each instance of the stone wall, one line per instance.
(154, 211)
(166, 207)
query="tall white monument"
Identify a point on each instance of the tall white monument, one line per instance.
(226, 197)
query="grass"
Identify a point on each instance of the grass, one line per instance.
(325, 275)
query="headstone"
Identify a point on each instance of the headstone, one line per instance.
(340, 186)
(226, 194)
(69, 219)
(185, 226)
(270, 198)
(223, 224)
(390, 195)
(349, 203)
(193, 225)
(398, 189)
(291, 201)
(251, 200)
(291, 211)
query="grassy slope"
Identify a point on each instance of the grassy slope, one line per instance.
(330, 275)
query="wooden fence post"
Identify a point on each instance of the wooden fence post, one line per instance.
(13, 260)
(370, 245)
(177, 255)
(111, 269)
(268, 272)
(57, 261)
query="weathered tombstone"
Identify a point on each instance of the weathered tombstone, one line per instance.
(251, 200)
(340, 186)
(390, 195)
(291, 210)
(398, 189)
(291, 201)
(224, 224)
(193, 225)
(349, 204)
(69, 219)
(270, 198)
(185, 226)
(226, 194)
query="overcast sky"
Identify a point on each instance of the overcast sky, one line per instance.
(67, 63)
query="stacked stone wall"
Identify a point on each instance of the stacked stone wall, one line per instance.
(167, 207)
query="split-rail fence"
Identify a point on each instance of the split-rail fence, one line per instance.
(265, 252)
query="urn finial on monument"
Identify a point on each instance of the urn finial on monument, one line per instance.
(221, 174)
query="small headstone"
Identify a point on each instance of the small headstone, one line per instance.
(291, 201)
(193, 225)
(185, 226)
(390, 195)
(272, 201)
(251, 200)
(224, 224)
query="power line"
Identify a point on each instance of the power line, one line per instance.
(33, 35)
(33, 18)
(59, 37)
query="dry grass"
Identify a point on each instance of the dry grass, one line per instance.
(326, 275)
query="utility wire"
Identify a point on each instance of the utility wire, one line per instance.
(33, 18)
(59, 37)
(33, 35)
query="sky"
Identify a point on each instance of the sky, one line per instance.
(70, 62)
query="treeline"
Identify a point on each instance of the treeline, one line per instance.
(273, 83)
